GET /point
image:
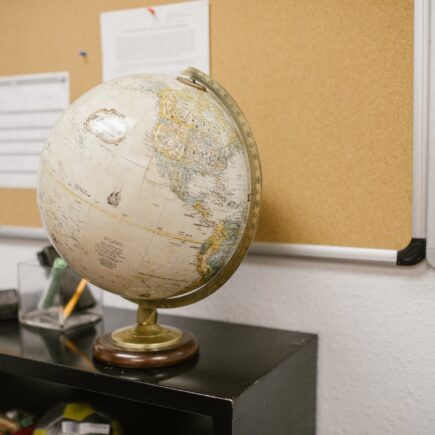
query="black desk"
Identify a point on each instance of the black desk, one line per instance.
(247, 380)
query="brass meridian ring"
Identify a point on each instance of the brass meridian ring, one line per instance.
(196, 78)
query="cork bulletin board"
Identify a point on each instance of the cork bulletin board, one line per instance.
(325, 84)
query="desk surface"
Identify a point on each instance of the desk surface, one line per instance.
(233, 361)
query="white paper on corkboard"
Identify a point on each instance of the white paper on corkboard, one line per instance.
(159, 39)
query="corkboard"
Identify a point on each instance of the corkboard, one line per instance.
(326, 85)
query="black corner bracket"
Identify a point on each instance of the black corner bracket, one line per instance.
(413, 254)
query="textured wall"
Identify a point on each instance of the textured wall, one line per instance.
(376, 326)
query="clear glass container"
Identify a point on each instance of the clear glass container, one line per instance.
(44, 298)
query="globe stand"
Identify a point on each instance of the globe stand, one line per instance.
(145, 345)
(218, 256)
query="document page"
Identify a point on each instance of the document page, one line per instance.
(30, 105)
(162, 39)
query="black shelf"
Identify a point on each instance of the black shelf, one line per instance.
(246, 380)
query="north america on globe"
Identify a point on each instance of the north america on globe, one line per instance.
(144, 186)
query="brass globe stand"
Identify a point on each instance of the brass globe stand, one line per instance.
(147, 334)
(149, 344)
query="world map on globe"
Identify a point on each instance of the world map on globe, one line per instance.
(145, 186)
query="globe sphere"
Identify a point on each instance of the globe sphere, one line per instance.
(145, 185)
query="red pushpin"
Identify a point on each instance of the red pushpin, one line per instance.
(151, 10)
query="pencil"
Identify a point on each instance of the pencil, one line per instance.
(69, 307)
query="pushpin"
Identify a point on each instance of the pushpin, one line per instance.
(83, 53)
(151, 10)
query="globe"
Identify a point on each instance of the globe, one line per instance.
(149, 187)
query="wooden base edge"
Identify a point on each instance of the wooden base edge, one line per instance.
(106, 351)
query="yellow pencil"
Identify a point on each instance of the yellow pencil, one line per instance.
(69, 307)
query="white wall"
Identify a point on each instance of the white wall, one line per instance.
(376, 326)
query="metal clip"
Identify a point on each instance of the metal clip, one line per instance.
(192, 83)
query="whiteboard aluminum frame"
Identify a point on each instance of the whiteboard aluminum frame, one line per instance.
(430, 251)
(422, 68)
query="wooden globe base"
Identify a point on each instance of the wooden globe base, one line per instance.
(106, 351)
(146, 345)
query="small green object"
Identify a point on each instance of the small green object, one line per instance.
(59, 265)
